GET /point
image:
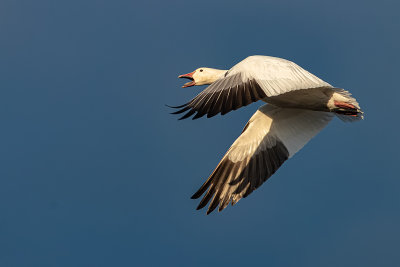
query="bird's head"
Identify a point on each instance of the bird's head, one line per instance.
(202, 76)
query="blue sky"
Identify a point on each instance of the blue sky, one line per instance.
(96, 172)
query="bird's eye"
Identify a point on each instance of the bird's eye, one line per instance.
(201, 70)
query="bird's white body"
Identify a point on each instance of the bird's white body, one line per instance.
(299, 106)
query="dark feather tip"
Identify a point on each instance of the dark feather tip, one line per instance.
(181, 106)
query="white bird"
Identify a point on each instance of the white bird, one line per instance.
(299, 106)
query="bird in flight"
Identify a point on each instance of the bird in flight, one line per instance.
(299, 105)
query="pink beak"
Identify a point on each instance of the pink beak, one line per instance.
(188, 76)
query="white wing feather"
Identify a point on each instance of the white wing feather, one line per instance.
(271, 136)
(276, 75)
(293, 127)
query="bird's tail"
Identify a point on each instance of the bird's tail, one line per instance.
(346, 107)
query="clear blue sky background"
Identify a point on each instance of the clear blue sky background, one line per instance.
(96, 172)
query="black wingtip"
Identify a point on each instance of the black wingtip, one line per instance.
(202, 204)
(198, 115)
(180, 111)
(187, 115)
(196, 195)
(210, 115)
(212, 207)
(181, 106)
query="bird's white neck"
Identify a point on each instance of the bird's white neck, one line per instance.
(215, 74)
(207, 75)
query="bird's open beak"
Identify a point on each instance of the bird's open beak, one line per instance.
(190, 77)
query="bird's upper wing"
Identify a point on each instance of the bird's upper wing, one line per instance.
(250, 80)
(271, 136)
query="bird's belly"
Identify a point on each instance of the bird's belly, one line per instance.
(312, 99)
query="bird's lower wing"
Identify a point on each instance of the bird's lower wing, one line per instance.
(224, 95)
(271, 136)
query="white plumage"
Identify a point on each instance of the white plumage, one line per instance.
(276, 75)
(300, 105)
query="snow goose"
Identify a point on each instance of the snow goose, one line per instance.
(299, 106)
